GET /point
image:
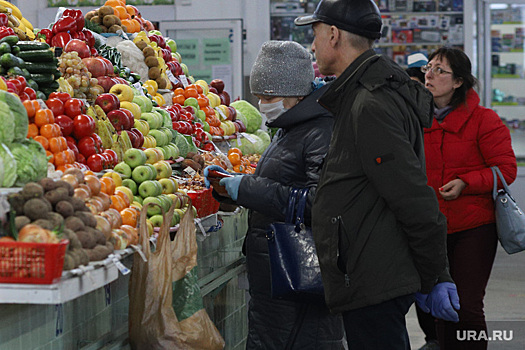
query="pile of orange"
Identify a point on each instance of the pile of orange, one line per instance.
(240, 163)
(129, 16)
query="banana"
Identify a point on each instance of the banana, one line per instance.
(26, 23)
(105, 135)
(21, 34)
(13, 21)
(16, 12)
(64, 86)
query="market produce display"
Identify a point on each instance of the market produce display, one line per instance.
(94, 126)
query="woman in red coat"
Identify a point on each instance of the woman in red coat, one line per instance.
(464, 141)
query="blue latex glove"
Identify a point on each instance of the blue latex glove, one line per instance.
(232, 185)
(441, 301)
(211, 167)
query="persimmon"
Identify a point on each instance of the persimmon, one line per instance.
(60, 158)
(120, 12)
(117, 203)
(50, 130)
(130, 216)
(57, 144)
(50, 157)
(234, 158)
(32, 130)
(234, 150)
(31, 106)
(44, 116)
(43, 141)
(107, 185)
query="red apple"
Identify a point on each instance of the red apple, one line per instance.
(218, 84)
(106, 82)
(108, 102)
(233, 113)
(119, 119)
(65, 123)
(132, 137)
(140, 137)
(225, 98)
(214, 90)
(79, 46)
(95, 66)
(131, 119)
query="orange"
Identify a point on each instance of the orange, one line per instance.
(44, 116)
(107, 186)
(50, 130)
(114, 3)
(120, 12)
(43, 141)
(57, 144)
(32, 130)
(124, 196)
(178, 99)
(61, 158)
(136, 23)
(117, 203)
(32, 106)
(234, 158)
(130, 217)
(189, 92)
(234, 150)
(238, 168)
(178, 91)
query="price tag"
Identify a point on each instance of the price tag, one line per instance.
(138, 249)
(139, 88)
(248, 137)
(221, 113)
(189, 170)
(171, 77)
(120, 266)
(199, 223)
(184, 80)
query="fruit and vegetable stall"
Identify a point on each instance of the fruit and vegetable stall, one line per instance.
(101, 117)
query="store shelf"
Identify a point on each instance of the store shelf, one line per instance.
(73, 284)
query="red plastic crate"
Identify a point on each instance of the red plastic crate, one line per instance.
(204, 202)
(36, 263)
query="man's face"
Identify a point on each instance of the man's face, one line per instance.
(322, 48)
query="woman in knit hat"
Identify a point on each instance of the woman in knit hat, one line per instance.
(281, 78)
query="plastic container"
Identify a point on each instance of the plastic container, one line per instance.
(35, 263)
(204, 202)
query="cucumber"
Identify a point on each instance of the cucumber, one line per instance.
(35, 67)
(32, 84)
(9, 60)
(15, 50)
(5, 48)
(32, 45)
(10, 39)
(15, 71)
(37, 55)
(42, 78)
(41, 95)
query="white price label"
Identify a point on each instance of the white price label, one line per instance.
(120, 266)
(139, 88)
(248, 137)
(171, 77)
(190, 171)
(184, 80)
(221, 113)
(138, 249)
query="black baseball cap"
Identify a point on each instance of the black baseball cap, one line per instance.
(360, 17)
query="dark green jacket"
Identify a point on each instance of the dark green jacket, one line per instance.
(377, 225)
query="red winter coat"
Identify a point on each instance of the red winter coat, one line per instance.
(465, 145)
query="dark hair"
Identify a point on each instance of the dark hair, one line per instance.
(415, 72)
(461, 69)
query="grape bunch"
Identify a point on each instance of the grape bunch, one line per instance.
(77, 75)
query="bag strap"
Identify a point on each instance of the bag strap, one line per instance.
(292, 198)
(303, 196)
(495, 170)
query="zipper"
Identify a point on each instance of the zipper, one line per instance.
(340, 223)
(347, 281)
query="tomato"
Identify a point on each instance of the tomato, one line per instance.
(96, 162)
(16, 83)
(23, 82)
(98, 142)
(80, 158)
(30, 92)
(55, 105)
(65, 123)
(72, 146)
(87, 146)
(62, 96)
(74, 107)
(83, 125)
(113, 154)
(23, 96)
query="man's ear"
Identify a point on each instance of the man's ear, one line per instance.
(335, 35)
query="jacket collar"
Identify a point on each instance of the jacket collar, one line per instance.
(459, 116)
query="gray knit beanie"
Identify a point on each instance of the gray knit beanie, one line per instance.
(282, 68)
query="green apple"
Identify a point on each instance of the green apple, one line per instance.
(123, 169)
(176, 56)
(149, 189)
(156, 220)
(167, 131)
(153, 171)
(154, 120)
(166, 202)
(154, 31)
(201, 115)
(152, 154)
(168, 185)
(141, 174)
(175, 198)
(185, 69)
(135, 157)
(144, 103)
(155, 208)
(160, 136)
(163, 169)
(132, 185)
(172, 44)
(158, 185)
(191, 78)
(142, 126)
(206, 127)
(138, 199)
(192, 101)
(175, 219)
(166, 151)
(180, 212)
(166, 119)
(174, 150)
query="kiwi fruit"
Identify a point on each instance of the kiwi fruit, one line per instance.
(151, 61)
(141, 44)
(90, 15)
(96, 19)
(109, 21)
(106, 11)
(114, 28)
(148, 51)
(154, 72)
(161, 82)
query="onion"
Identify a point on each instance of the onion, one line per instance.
(103, 225)
(79, 174)
(106, 200)
(93, 183)
(86, 187)
(81, 193)
(72, 179)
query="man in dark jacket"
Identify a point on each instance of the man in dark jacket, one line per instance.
(379, 233)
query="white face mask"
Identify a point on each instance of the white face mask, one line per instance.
(272, 111)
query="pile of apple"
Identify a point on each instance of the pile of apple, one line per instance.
(103, 70)
(149, 178)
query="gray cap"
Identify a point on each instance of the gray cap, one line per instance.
(282, 68)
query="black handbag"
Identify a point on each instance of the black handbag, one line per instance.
(295, 272)
(510, 220)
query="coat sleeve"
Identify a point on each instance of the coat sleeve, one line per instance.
(495, 145)
(394, 169)
(270, 197)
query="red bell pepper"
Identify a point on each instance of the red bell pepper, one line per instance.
(77, 15)
(65, 24)
(6, 31)
(4, 20)
(90, 38)
(78, 35)
(60, 39)
(45, 34)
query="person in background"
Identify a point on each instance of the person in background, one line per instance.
(281, 78)
(463, 142)
(415, 61)
(379, 234)
(426, 321)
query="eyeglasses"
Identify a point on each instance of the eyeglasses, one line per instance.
(434, 70)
